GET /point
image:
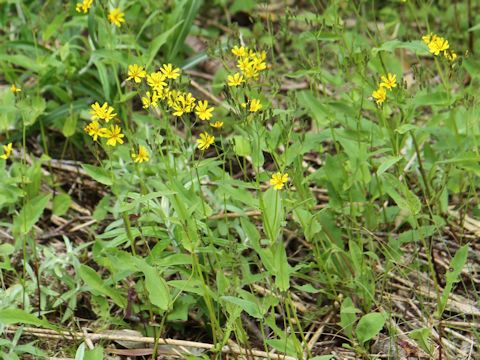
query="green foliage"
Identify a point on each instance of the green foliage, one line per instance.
(199, 240)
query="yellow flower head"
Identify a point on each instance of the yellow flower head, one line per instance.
(104, 112)
(150, 100)
(428, 38)
(205, 140)
(450, 55)
(114, 135)
(84, 6)
(95, 131)
(217, 124)
(255, 105)
(243, 64)
(170, 72)
(203, 111)
(116, 17)
(235, 79)
(141, 156)
(156, 81)
(14, 89)
(389, 81)
(380, 95)
(240, 51)
(136, 72)
(437, 45)
(7, 151)
(278, 180)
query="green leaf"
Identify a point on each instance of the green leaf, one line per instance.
(31, 108)
(319, 111)
(402, 129)
(157, 44)
(249, 307)
(369, 326)
(99, 174)
(241, 146)
(388, 163)
(403, 197)
(348, 316)
(272, 213)
(29, 215)
(61, 203)
(157, 288)
(452, 277)
(70, 125)
(95, 354)
(18, 316)
(96, 283)
(282, 268)
(184, 14)
(418, 47)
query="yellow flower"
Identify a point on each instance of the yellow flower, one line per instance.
(84, 6)
(428, 38)
(240, 51)
(389, 81)
(380, 95)
(203, 111)
(95, 131)
(255, 105)
(150, 100)
(278, 180)
(437, 45)
(116, 17)
(7, 151)
(14, 89)
(450, 55)
(217, 124)
(104, 112)
(183, 103)
(114, 135)
(156, 81)
(235, 79)
(251, 71)
(205, 140)
(136, 72)
(141, 156)
(243, 64)
(170, 72)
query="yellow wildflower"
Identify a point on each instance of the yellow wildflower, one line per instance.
(235, 79)
(389, 81)
(170, 72)
(203, 111)
(104, 112)
(243, 64)
(205, 140)
(150, 100)
(7, 151)
(217, 124)
(251, 71)
(450, 55)
(95, 131)
(136, 72)
(255, 105)
(380, 95)
(84, 6)
(141, 156)
(14, 89)
(437, 45)
(114, 135)
(278, 180)
(156, 81)
(240, 51)
(116, 17)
